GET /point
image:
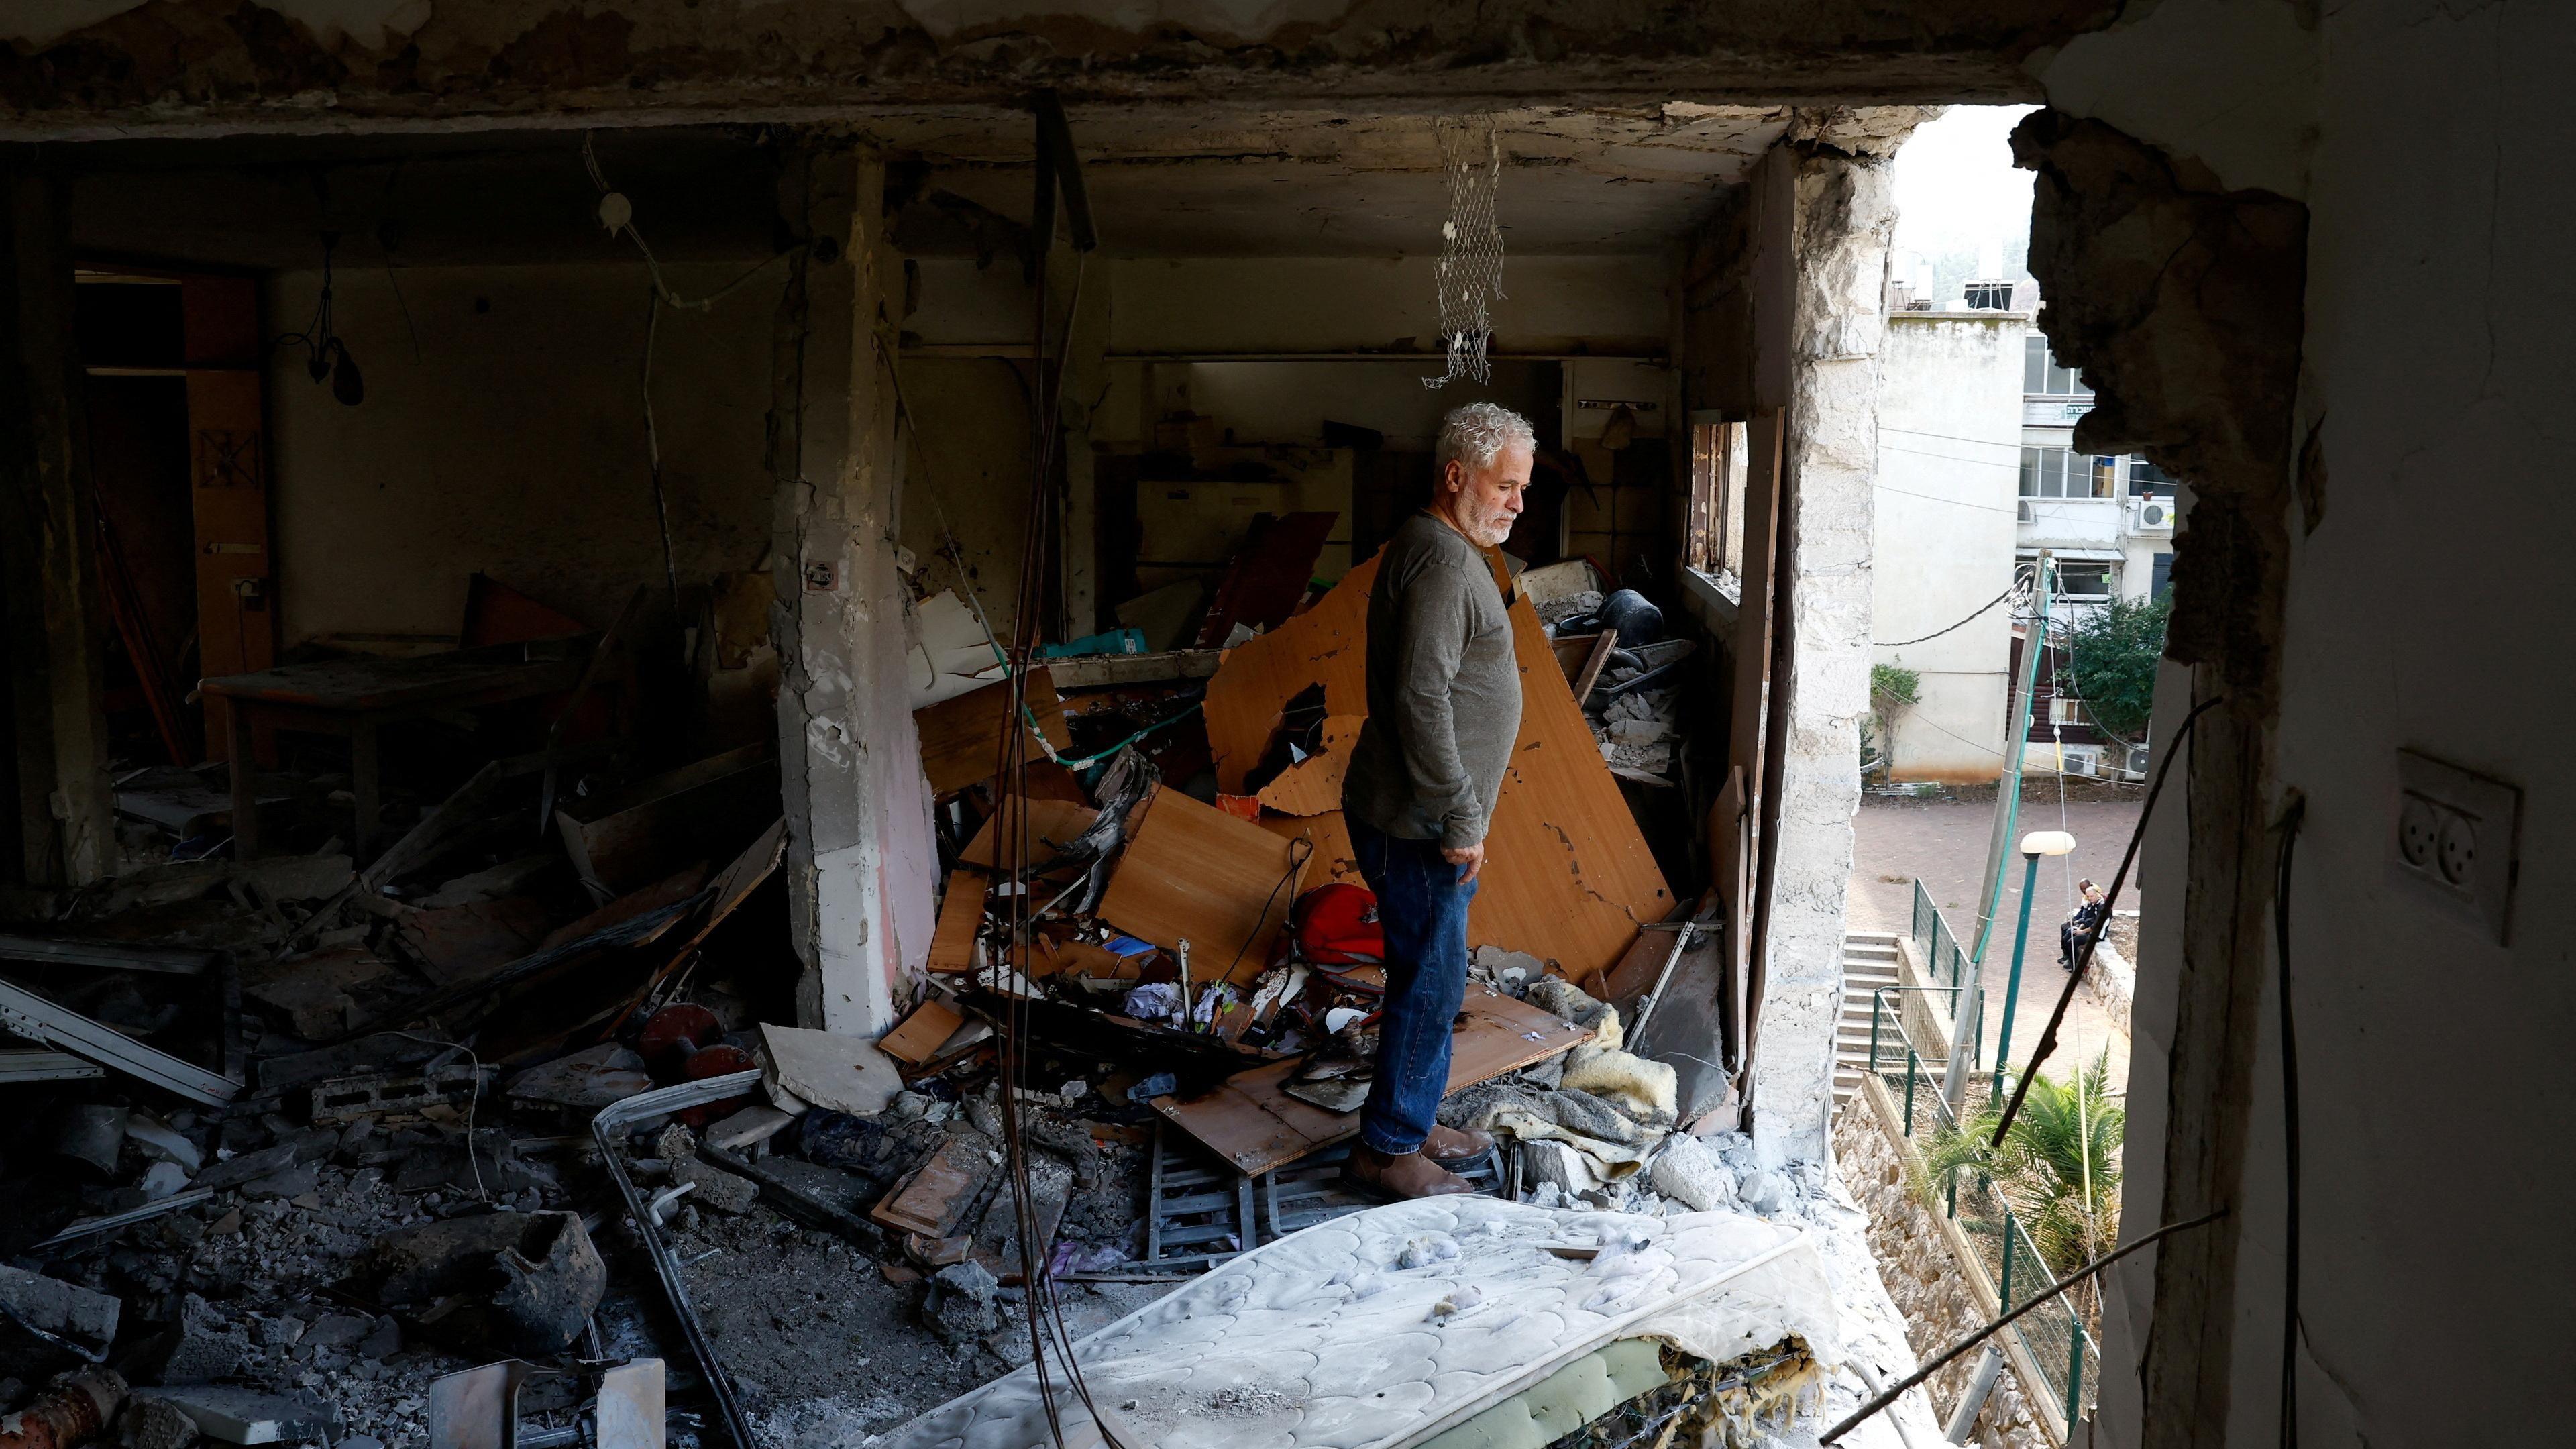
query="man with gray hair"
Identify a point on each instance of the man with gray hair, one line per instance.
(1444, 704)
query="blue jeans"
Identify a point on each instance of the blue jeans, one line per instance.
(1423, 910)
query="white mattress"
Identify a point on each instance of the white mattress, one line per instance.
(1335, 1337)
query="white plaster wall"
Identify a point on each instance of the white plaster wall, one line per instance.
(2423, 612)
(1949, 418)
(512, 442)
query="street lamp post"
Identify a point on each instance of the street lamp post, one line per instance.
(2035, 845)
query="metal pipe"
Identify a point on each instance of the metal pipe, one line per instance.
(1963, 1419)
(2012, 990)
(612, 1123)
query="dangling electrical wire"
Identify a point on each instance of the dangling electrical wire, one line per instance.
(617, 214)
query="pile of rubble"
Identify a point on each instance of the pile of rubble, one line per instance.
(311, 1147)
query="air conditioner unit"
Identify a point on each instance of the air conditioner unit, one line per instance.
(2138, 760)
(2151, 515)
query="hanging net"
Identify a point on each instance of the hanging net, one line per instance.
(1470, 274)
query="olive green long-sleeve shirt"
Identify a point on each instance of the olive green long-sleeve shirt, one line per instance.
(1444, 691)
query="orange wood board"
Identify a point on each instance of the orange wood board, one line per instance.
(961, 738)
(961, 915)
(1314, 784)
(918, 1038)
(1193, 873)
(1334, 860)
(1568, 877)
(1248, 1119)
(996, 846)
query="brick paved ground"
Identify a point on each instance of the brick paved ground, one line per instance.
(1943, 842)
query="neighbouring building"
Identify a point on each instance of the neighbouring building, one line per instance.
(2107, 522)
(1950, 432)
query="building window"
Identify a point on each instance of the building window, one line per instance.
(1716, 539)
(2083, 579)
(2041, 376)
(2161, 578)
(2057, 473)
(2146, 480)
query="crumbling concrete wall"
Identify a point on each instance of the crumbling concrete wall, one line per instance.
(1843, 214)
(54, 650)
(861, 862)
(1926, 1280)
(2182, 303)
(2379, 566)
(126, 65)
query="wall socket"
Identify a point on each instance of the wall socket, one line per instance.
(2458, 839)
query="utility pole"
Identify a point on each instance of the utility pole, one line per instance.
(1963, 1007)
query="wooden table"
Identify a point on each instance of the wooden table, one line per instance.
(356, 697)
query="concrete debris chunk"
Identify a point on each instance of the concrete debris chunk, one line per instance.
(66, 1311)
(204, 1345)
(586, 1080)
(1688, 1171)
(234, 1171)
(959, 1305)
(498, 1284)
(248, 1416)
(155, 1423)
(93, 1133)
(337, 1331)
(716, 1188)
(292, 1183)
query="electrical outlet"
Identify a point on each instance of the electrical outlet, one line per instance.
(2456, 838)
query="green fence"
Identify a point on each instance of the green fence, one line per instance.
(2053, 1334)
(1942, 958)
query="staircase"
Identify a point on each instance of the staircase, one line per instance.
(1869, 962)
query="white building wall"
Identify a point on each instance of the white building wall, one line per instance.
(1950, 415)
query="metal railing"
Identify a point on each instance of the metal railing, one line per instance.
(1946, 964)
(2053, 1334)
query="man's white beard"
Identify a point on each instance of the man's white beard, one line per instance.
(1490, 533)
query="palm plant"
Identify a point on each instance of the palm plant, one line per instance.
(2058, 1168)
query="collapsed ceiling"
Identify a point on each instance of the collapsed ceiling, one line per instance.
(1165, 181)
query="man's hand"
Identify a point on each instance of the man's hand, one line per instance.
(1470, 856)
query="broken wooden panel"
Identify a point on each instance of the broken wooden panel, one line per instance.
(1247, 696)
(961, 738)
(1251, 1121)
(961, 915)
(1050, 824)
(628, 839)
(1268, 579)
(678, 886)
(1568, 876)
(1334, 859)
(472, 939)
(1193, 873)
(934, 1198)
(1313, 785)
(918, 1037)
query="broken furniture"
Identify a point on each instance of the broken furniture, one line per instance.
(68, 1033)
(357, 697)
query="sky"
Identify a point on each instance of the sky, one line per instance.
(1961, 203)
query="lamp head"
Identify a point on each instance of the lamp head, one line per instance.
(2047, 842)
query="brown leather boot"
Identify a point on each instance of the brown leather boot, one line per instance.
(1401, 1176)
(1450, 1146)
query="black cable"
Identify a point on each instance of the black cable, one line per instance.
(2111, 900)
(2290, 1325)
(2017, 587)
